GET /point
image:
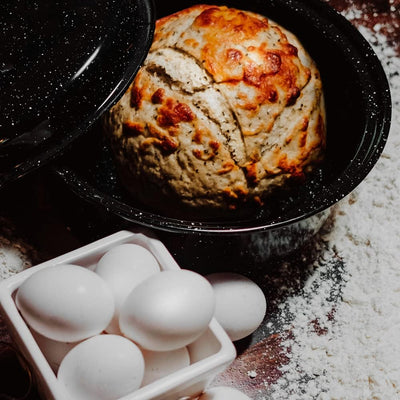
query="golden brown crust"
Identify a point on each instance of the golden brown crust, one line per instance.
(227, 106)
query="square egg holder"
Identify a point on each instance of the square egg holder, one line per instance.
(210, 354)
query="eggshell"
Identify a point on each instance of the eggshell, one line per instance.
(124, 267)
(168, 310)
(65, 302)
(223, 393)
(103, 367)
(204, 346)
(240, 304)
(159, 364)
(53, 350)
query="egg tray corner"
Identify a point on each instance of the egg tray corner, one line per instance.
(187, 382)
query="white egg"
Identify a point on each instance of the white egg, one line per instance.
(205, 346)
(66, 302)
(168, 310)
(124, 267)
(223, 393)
(240, 304)
(53, 350)
(103, 367)
(159, 364)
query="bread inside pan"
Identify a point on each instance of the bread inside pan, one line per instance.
(356, 104)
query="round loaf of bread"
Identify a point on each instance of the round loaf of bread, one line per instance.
(227, 107)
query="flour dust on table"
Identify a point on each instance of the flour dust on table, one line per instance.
(348, 348)
(15, 254)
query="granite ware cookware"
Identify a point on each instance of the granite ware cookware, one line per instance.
(358, 119)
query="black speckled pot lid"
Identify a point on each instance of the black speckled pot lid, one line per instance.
(358, 101)
(62, 63)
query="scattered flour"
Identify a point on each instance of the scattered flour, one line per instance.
(344, 341)
(252, 374)
(15, 255)
(345, 325)
(11, 261)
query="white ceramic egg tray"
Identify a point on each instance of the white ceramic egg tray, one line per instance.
(213, 351)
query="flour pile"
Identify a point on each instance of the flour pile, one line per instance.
(344, 341)
(15, 254)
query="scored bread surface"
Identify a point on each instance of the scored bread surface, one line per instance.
(227, 106)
